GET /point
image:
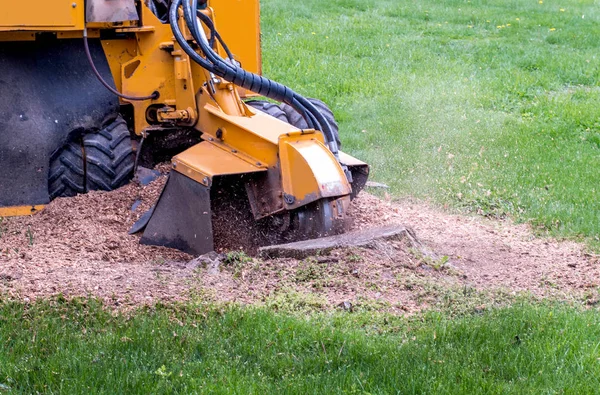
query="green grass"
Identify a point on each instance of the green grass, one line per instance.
(489, 106)
(77, 347)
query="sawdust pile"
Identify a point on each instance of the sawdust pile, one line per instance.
(90, 227)
(94, 227)
(80, 246)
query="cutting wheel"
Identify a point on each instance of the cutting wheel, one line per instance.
(324, 217)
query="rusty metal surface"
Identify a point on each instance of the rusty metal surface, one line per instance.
(265, 193)
(111, 11)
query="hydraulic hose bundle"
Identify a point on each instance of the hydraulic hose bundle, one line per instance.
(230, 71)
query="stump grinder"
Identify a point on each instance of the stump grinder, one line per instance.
(91, 89)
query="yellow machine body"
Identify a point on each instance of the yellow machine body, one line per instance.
(290, 168)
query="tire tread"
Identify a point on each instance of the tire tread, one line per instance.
(101, 160)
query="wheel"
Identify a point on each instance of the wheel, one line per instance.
(267, 107)
(325, 217)
(109, 157)
(295, 119)
(67, 175)
(100, 160)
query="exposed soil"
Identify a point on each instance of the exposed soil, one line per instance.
(80, 246)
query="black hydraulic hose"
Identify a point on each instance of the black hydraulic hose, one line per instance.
(173, 17)
(190, 15)
(256, 83)
(214, 33)
(86, 45)
(311, 122)
(232, 73)
(238, 76)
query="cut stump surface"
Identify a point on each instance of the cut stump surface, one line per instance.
(357, 238)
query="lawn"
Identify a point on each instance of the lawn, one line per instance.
(77, 347)
(489, 106)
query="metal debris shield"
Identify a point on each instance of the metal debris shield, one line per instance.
(182, 217)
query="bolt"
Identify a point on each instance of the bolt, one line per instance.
(74, 5)
(288, 199)
(219, 134)
(174, 165)
(205, 180)
(234, 151)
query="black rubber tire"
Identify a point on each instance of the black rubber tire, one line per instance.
(109, 157)
(102, 160)
(267, 107)
(67, 174)
(295, 119)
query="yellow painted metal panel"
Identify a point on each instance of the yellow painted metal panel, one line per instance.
(15, 211)
(52, 15)
(119, 52)
(238, 22)
(309, 171)
(205, 160)
(260, 124)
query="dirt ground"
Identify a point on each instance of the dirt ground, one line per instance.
(79, 246)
